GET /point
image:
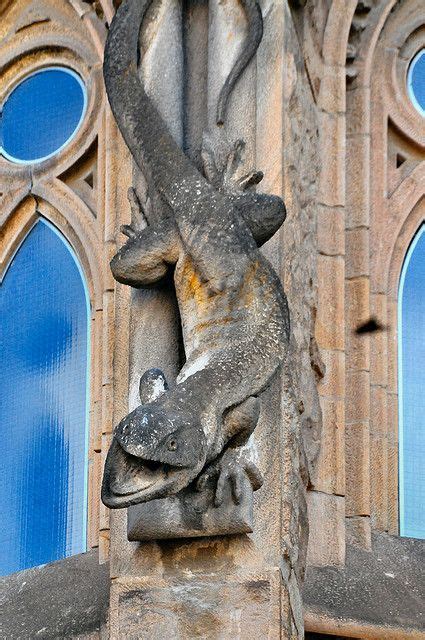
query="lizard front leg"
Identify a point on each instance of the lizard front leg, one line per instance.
(262, 213)
(150, 249)
(232, 466)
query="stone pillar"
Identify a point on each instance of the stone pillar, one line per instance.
(151, 315)
(327, 500)
(238, 586)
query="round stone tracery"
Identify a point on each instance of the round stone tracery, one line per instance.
(42, 114)
(416, 82)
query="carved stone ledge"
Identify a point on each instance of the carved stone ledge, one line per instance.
(191, 514)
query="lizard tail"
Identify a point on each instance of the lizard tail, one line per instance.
(140, 123)
(191, 197)
(250, 46)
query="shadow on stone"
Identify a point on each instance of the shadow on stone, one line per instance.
(192, 514)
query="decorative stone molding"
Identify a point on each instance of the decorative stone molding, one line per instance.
(384, 187)
(66, 189)
(359, 23)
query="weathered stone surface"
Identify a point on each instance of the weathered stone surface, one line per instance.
(326, 517)
(297, 140)
(358, 408)
(357, 461)
(357, 252)
(358, 531)
(379, 593)
(329, 471)
(330, 230)
(65, 599)
(357, 313)
(332, 175)
(191, 514)
(213, 608)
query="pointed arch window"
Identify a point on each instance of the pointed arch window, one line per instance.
(411, 355)
(44, 347)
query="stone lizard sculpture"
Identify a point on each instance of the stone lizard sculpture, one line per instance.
(233, 309)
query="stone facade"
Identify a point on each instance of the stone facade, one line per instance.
(326, 116)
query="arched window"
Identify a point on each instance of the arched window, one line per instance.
(411, 354)
(44, 346)
(41, 115)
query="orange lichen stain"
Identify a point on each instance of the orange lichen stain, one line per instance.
(197, 289)
(213, 322)
(193, 288)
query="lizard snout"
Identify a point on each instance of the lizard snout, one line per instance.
(148, 433)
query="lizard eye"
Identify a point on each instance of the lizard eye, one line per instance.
(172, 444)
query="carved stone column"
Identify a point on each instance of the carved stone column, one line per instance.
(245, 585)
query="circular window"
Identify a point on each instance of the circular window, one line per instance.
(42, 114)
(416, 82)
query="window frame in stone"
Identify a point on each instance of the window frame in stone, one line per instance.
(385, 207)
(407, 525)
(411, 92)
(37, 160)
(69, 190)
(49, 521)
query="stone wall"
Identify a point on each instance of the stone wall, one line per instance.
(249, 585)
(325, 115)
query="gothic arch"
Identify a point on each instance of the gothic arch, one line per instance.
(406, 232)
(68, 189)
(385, 189)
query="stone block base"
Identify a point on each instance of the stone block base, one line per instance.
(191, 514)
(207, 608)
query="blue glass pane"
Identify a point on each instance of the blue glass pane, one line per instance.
(41, 114)
(416, 82)
(43, 404)
(412, 390)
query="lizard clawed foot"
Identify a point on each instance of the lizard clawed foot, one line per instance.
(222, 161)
(141, 210)
(230, 468)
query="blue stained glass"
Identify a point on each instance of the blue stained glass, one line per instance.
(411, 349)
(42, 114)
(416, 81)
(44, 344)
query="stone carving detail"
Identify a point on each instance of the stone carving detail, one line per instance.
(361, 19)
(182, 443)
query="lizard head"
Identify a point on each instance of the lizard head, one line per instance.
(155, 452)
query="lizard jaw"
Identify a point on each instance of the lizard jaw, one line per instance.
(129, 480)
(138, 475)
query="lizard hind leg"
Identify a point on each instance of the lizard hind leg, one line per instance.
(240, 421)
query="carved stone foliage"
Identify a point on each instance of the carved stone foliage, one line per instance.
(359, 23)
(184, 438)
